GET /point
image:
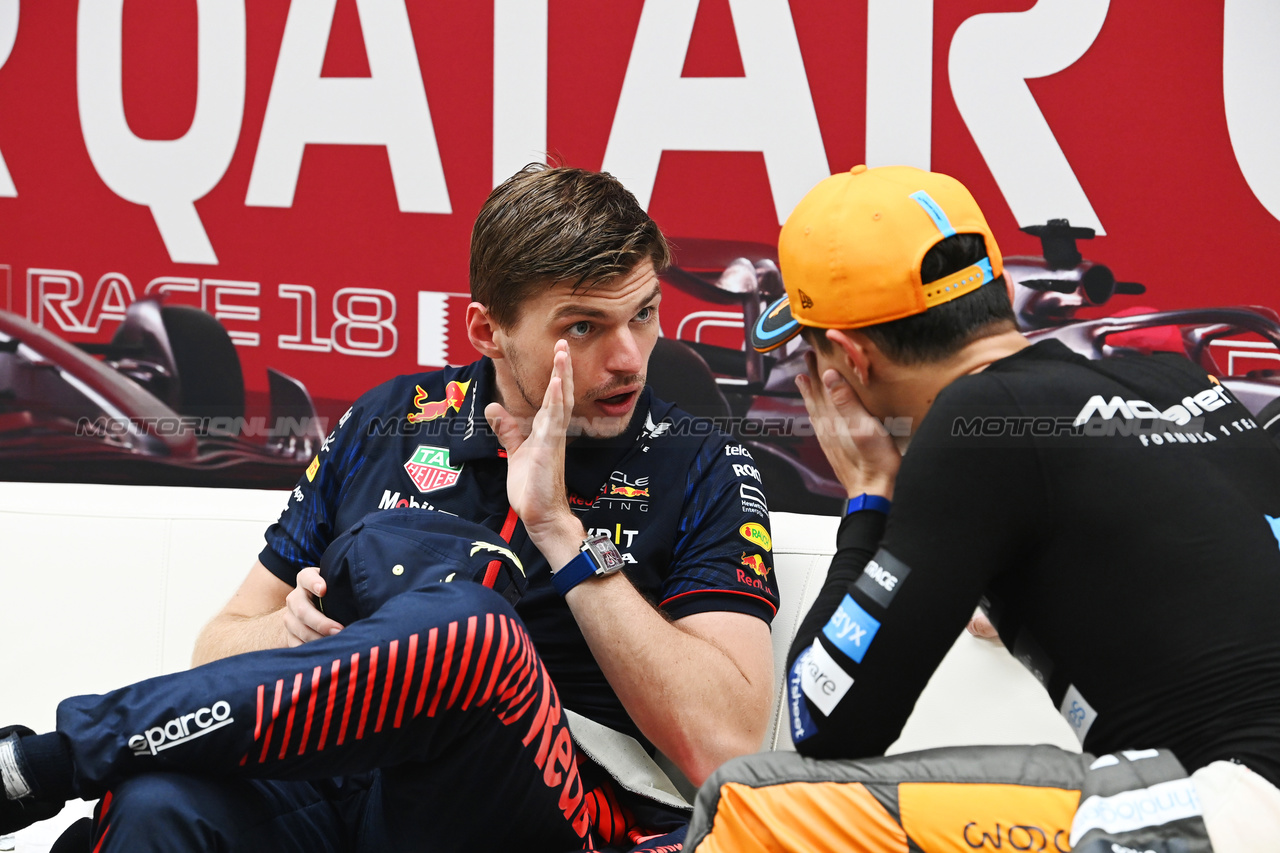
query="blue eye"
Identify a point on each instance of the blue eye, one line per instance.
(645, 314)
(580, 328)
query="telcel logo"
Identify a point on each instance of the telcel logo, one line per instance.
(179, 730)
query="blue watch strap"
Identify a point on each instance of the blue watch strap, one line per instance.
(574, 572)
(866, 501)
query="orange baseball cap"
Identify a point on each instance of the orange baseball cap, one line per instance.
(850, 252)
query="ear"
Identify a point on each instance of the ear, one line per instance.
(858, 351)
(483, 332)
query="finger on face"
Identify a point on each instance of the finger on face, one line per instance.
(815, 402)
(835, 384)
(811, 364)
(804, 387)
(559, 366)
(566, 372)
(494, 413)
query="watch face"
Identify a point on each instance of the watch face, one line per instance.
(606, 555)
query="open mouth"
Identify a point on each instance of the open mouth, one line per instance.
(618, 404)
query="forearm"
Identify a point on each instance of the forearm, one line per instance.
(856, 544)
(228, 634)
(686, 694)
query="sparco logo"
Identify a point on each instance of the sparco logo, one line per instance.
(179, 730)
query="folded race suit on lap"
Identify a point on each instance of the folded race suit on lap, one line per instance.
(389, 552)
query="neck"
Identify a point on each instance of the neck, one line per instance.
(913, 389)
(506, 392)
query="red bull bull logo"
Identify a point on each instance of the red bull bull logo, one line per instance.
(756, 563)
(628, 491)
(428, 410)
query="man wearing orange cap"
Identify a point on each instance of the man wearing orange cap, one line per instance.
(1118, 521)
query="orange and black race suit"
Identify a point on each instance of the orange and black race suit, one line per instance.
(1119, 520)
(1039, 799)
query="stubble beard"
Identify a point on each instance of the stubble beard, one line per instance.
(579, 425)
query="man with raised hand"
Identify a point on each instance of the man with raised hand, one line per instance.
(1115, 518)
(645, 543)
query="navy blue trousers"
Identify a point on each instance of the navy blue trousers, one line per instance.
(430, 725)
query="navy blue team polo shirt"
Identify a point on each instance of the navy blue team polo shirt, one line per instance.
(682, 501)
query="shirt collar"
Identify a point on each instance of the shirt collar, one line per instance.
(472, 439)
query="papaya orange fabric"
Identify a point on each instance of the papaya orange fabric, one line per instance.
(802, 817)
(960, 818)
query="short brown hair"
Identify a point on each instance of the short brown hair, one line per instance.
(547, 224)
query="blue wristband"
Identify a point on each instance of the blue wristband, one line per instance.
(865, 501)
(574, 572)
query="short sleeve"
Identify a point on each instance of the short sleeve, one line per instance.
(723, 555)
(306, 525)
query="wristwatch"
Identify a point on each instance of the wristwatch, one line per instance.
(597, 558)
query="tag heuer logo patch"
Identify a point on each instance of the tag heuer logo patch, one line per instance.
(429, 468)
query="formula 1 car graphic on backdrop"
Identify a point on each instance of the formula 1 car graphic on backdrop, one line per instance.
(164, 401)
(165, 405)
(1054, 296)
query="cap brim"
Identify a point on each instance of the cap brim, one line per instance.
(775, 327)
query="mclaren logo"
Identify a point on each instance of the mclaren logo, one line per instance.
(1208, 400)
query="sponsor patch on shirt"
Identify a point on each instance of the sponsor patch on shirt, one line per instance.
(882, 577)
(753, 500)
(428, 410)
(429, 468)
(312, 469)
(1078, 713)
(822, 679)
(1131, 810)
(755, 563)
(802, 726)
(851, 629)
(756, 534)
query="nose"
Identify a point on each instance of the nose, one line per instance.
(626, 356)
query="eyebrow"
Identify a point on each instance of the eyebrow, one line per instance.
(574, 310)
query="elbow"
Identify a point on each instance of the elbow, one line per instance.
(698, 755)
(703, 763)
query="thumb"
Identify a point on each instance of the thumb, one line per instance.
(841, 393)
(504, 427)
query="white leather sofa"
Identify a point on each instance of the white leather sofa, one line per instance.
(104, 585)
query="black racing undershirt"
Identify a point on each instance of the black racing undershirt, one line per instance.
(1135, 572)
